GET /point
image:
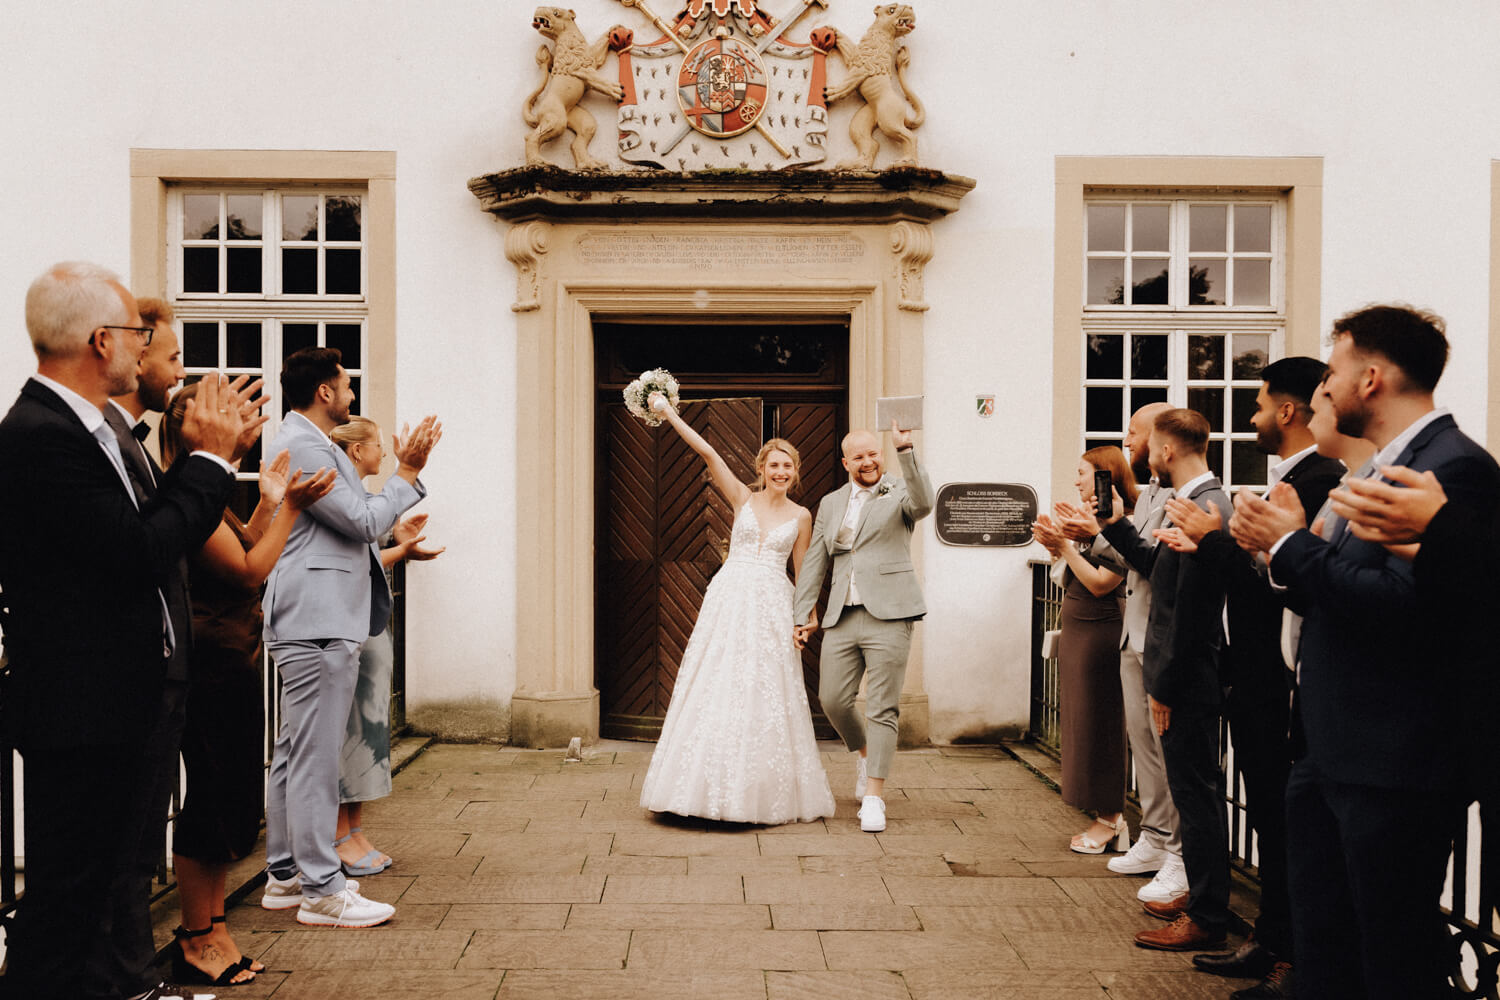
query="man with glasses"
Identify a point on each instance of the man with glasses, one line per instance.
(85, 560)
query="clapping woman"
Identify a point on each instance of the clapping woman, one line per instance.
(1091, 708)
(222, 741)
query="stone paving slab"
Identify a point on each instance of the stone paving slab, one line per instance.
(521, 876)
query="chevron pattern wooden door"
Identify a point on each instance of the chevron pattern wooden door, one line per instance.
(668, 533)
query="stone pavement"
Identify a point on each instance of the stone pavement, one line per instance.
(518, 876)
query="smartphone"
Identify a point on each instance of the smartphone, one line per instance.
(1103, 493)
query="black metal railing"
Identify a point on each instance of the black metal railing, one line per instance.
(12, 874)
(1471, 900)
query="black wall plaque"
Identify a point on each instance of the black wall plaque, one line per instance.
(985, 513)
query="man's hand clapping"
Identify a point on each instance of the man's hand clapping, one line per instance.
(1190, 524)
(243, 398)
(1390, 515)
(413, 446)
(213, 420)
(1260, 522)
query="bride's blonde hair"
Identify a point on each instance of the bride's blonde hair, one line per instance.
(782, 445)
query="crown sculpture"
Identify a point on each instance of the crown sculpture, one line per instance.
(722, 86)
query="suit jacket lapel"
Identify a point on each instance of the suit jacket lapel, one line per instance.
(839, 499)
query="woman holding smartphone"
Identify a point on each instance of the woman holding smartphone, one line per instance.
(1091, 710)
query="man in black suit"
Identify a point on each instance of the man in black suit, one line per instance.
(1378, 794)
(86, 565)
(1184, 636)
(1258, 679)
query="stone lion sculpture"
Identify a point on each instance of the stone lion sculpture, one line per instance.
(570, 69)
(871, 65)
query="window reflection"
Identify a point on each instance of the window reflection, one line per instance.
(1106, 357)
(1206, 357)
(1207, 228)
(1106, 227)
(299, 217)
(1205, 282)
(1149, 227)
(200, 216)
(1148, 357)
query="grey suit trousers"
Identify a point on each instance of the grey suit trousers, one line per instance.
(302, 801)
(1159, 820)
(861, 646)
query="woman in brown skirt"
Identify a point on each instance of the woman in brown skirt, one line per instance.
(1091, 710)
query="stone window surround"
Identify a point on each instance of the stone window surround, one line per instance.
(1299, 179)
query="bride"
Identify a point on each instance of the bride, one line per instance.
(737, 744)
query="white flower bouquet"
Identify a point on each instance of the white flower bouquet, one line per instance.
(638, 394)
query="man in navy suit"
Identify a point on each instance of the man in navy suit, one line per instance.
(326, 596)
(1378, 794)
(87, 559)
(1184, 637)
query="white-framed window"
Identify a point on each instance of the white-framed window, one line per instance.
(256, 273)
(1183, 303)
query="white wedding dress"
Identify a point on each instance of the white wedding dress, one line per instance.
(737, 744)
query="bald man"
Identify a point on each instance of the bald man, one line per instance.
(863, 531)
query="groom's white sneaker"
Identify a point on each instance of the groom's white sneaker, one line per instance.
(872, 814)
(861, 778)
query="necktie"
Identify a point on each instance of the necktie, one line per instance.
(118, 441)
(142, 482)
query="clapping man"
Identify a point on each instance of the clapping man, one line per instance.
(326, 596)
(86, 564)
(1382, 768)
(863, 533)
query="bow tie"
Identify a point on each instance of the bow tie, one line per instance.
(142, 431)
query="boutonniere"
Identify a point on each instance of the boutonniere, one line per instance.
(883, 489)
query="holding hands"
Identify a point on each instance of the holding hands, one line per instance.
(802, 633)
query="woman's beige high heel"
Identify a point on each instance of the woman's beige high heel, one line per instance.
(1084, 844)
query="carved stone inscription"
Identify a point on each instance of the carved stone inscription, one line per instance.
(985, 513)
(719, 253)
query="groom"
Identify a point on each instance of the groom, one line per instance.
(864, 528)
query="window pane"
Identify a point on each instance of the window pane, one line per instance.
(1210, 403)
(345, 337)
(200, 217)
(299, 272)
(243, 220)
(341, 218)
(1252, 352)
(354, 407)
(1148, 356)
(1252, 228)
(1252, 282)
(1205, 282)
(244, 269)
(1206, 225)
(1107, 227)
(1105, 410)
(1106, 283)
(242, 345)
(1144, 395)
(1106, 357)
(251, 461)
(1216, 458)
(1248, 465)
(1149, 275)
(295, 336)
(299, 217)
(200, 345)
(1148, 227)
(200, 269)
(1206, 357)
(341, 272)
(1243, 401)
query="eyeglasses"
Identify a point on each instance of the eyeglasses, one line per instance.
(145, 331)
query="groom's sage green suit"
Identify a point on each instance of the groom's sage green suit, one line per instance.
(871, 638)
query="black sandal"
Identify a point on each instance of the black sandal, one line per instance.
(246, 962)
(187, 973)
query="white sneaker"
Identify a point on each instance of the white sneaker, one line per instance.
(872, 814)
(283, 894)
(1169, 883)
(343, 909)
(861, 779)
(1141, 859)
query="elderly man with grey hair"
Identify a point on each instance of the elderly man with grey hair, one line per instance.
(84, 559)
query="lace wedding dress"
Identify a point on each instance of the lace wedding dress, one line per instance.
(737, 743)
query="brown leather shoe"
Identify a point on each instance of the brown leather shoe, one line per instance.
(1170, 910)
(1182, 934)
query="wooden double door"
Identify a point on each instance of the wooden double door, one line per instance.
(663, 530)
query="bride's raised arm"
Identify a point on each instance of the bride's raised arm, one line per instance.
(724, 481)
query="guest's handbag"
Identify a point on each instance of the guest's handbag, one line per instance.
(1049, 643)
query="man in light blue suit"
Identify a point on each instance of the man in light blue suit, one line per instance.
(325, 597)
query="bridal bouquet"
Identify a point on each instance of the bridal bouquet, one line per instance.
(638, 394)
